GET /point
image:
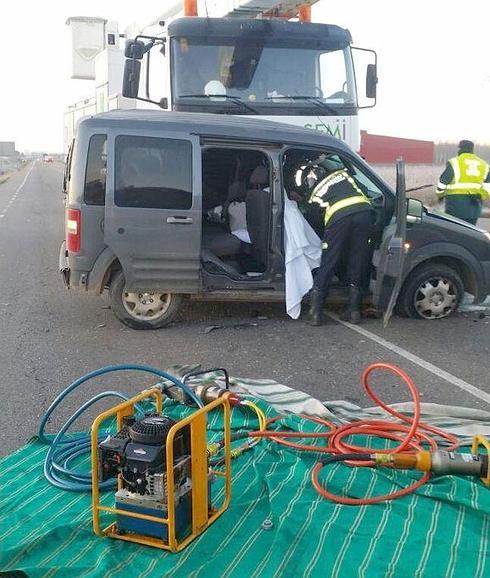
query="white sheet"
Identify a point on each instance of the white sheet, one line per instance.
(303, 250)
(243, 235)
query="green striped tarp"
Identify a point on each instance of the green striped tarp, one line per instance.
(442, 531)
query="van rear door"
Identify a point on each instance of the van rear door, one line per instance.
(389, 259)
(153, 210)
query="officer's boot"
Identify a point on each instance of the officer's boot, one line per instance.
(352, 312)
(317, 299)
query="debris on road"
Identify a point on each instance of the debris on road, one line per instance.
(467, 305)
(210, 328)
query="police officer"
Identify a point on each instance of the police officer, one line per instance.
(464, 183)
(347, 220)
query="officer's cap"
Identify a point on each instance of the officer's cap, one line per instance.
(466, 146)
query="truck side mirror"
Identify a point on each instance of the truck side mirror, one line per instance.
(371, 80)
(134, 49)
(131, 78)
(415, 210)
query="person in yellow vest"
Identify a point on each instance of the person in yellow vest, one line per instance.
(464, 184)
(348, 216)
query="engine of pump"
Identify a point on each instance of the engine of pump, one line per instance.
(137, 453)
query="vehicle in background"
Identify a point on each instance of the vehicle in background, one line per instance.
(250, 61)
(47, 158)
(142, 192)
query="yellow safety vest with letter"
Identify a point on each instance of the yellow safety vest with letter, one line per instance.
(339, 194)
(470, 173)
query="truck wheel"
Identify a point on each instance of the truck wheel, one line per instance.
(142, 310)
(433, 291)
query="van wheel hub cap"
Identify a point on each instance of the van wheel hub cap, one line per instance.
(146, 306)
(436, 298)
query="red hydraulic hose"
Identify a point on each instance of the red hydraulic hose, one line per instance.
(409, 437)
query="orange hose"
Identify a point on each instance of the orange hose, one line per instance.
(410, 437)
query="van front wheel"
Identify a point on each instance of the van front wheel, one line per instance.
(432, 291)
(143, 309)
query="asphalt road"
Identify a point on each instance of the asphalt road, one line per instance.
(50, 336)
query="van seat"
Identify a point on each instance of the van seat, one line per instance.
(217, 240)
(258, 203)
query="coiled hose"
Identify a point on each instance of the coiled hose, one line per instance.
(408, 437)
(63, 451)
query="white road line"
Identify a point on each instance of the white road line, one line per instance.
(12, 199)
(25, 178)
(452, 379)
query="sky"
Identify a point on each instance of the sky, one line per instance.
(433, 64)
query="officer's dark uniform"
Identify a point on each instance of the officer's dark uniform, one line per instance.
(348, 218)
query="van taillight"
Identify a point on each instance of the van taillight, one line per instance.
(73, 230)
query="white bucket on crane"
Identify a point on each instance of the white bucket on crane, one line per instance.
(88, 40)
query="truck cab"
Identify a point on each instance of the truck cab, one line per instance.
(164, 206)
(301, 73)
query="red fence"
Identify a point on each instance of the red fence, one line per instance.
(387, 149)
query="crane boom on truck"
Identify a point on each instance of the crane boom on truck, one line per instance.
(247, 57)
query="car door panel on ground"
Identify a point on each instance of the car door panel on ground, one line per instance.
(153, 210)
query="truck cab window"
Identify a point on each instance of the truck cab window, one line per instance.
(153, 173)
(263, 73)
(334, 69)
(95, 173)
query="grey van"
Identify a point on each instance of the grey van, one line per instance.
(148, 198)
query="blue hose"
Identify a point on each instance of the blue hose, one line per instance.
(63, 450)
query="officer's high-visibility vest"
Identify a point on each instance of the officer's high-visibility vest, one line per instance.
(338, 193)
(470, 173)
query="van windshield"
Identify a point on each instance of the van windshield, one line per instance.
(265, 75)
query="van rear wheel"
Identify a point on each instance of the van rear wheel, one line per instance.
(143, 309)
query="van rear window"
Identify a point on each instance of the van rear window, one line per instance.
(95, 173)
(153, 173)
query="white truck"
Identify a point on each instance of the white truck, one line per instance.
(240, 57)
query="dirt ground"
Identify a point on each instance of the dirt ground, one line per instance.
(416, 176)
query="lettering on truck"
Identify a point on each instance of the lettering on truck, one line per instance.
(338, 131)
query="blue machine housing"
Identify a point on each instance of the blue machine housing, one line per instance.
(183, 517)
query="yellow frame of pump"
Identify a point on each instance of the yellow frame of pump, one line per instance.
(201, 516)
(478, 441)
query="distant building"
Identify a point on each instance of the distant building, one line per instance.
(387, 149)
(7, 149)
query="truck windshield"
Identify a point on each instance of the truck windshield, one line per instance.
(266, 77)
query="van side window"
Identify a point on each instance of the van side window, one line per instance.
(153, 173)
(95, 173)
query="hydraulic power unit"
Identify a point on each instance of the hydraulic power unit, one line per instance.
(163, 495)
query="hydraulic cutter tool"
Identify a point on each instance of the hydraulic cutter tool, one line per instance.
(443, 462)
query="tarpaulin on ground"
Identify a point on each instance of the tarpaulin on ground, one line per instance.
(441, 531)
